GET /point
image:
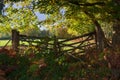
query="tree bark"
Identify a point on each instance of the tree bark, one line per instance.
(1, 6)
(116, 27)
(100, 37)
(116, 35)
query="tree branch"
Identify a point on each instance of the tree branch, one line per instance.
(87, 4)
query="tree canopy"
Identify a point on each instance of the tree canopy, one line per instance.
(80, 16)
(80, 11)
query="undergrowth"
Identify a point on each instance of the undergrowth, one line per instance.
(35, 65)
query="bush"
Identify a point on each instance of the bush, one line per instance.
(46, 66)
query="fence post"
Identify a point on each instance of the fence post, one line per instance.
(55, 45)
(15, 40)
(95, 37)
(46, 42)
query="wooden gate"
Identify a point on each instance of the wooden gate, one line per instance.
(78, 44)
(72, 45)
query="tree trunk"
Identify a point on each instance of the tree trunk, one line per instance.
(116, 34)
(116, 27)
(100, 37)
(1, 6)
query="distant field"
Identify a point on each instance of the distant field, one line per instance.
(4, 42)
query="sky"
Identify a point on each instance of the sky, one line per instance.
(40, 16)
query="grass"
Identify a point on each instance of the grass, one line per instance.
(4, 42)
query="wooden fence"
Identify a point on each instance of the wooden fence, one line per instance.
(72, 45)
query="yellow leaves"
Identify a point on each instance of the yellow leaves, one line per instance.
(52, 1)
(25, 3)
(73, 32)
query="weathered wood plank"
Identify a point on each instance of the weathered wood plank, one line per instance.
(62, 44)
(89, 34)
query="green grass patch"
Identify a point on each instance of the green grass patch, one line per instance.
(4, 42)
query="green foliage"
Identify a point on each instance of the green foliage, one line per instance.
(46, 65)
(20, 18)
(5, 59)
(73, 18)
(42, 65)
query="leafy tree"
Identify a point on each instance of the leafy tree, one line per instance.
(18, 16)
(97, 11)
(80, 12)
